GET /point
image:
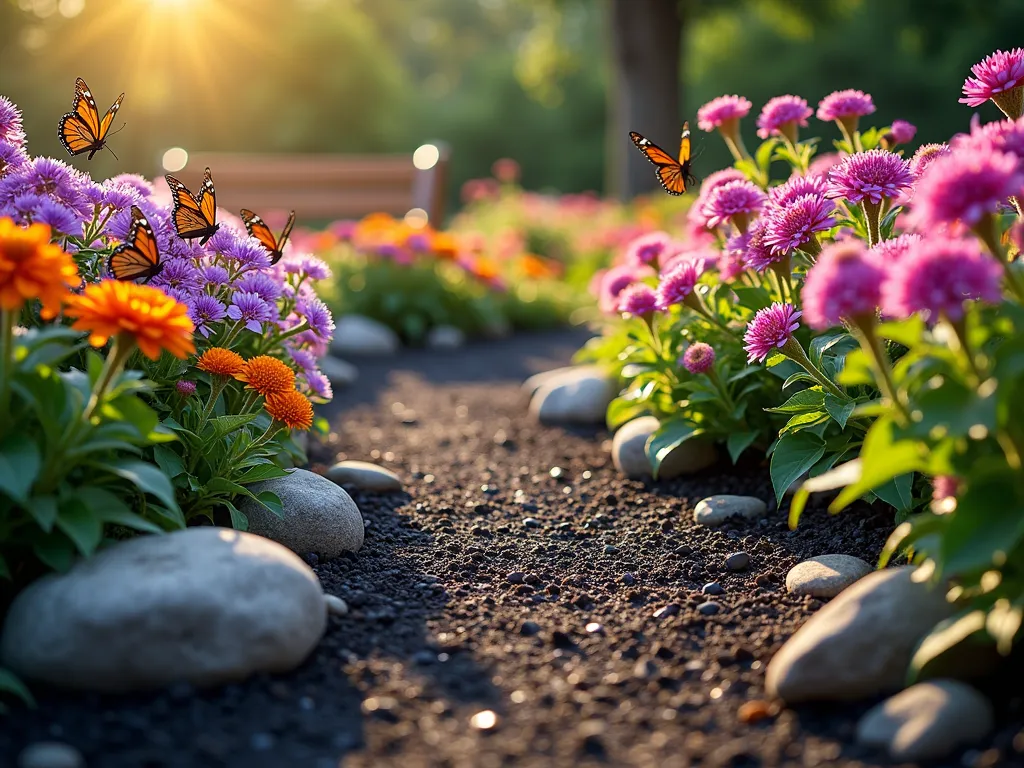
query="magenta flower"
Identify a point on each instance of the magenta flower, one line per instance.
(722, 112)
(716, 179)
(902, 132)
(936, 275)
(797, 186)
(1001, 136)
(647, 249)
(843, 283)
(731, 264)
(614, 282)
(822, 164)
(770, 329)
(699, 357)
(870, 176)
(783, 115)
(759, 256)
(733, 201)
(924, 156)
(848, 105)
(638, 300)
(999, 76)
(677, 284)
(892, 250)
(965, 187)
(944, 487)
(794, 226)
(185, 387)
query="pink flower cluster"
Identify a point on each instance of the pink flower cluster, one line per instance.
(721, 111)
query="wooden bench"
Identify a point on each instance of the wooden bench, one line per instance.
(325, 187)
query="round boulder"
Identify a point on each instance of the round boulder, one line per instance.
(203, 606)
(365, 476)
(577, 396)
(318, 515)
(715, 510)
(630, 457)
(825, 576)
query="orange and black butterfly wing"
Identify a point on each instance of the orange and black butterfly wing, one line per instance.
(670, 172)
(258, 228)
(684, 156)
(194, 216)
(109, 118)
(79, 129)
(285, 233)
(138, 256)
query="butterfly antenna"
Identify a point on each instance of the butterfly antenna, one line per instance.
(111, 152)
(118, 130)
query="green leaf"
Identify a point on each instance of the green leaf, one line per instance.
(10, 684)
(763, 154)
(130, 409)
(986, 526)
(260, 472)
(821, 344)
(943, 637)
(838, 477)
(43, 510)
(109, 508)
(222, 485)
(667, 438)
(146, 478)
(80, 523)
(238, 520)
(884, 456)
(19, 466)
(857, 370)
(271, 501)
(225, 425)
(898, 493)
(738, 442)
(909, 332)
(55, 551)
(168, 460)
(752, 297)
(840, 409)
(805, 400)
(621, 410)
(794, 454)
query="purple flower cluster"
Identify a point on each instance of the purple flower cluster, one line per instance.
(699, 357)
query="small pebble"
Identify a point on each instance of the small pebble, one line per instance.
(710, 608)
(712, 588)
(594, 627)
(667, 610)
(335, 605)
(516, 577)
(737, 561)
(531, 522)
(529, 628)
(484, 720)
(50, 754)
(628, 579)
(610, 549)
(753, 711)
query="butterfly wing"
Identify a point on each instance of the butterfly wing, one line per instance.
(286, 232)
(109, 118)
(207, 199)
(259, 229)
(79, 129)
(670, 172)
(189, 219)
(138, 256)
(684, 155)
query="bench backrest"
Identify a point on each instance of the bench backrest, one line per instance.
(324, 186)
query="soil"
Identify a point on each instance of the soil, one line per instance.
(520, 605)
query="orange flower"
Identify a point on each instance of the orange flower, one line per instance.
(291, 408)
(220, 362)
(267, 375)
(31, 267)
(484, 268)
(445, 245)
(536, 267)
(147, 315)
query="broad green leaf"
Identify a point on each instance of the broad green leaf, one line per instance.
(821, 344)
(738, 442)
(225, 425)
(838, 477)
(987, 525)
(839, 409)
(109, 508)
(667, 438)
(168, 460)
(805, 421)
(19, 465)
(43, 510)
(812, 399)
(80, 523)
(945, 636)
(909, 332)
(55, 551)
(260, 472)
(752, 297)
(146, 477)
(897, 493)
(238, 519)
(884, 457)
(129, 409)
(621, 410)
(271, 501)
(794, 454)
(857, 370)
(221, 485)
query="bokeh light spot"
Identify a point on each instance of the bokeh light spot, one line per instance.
(417, 218)
(175, 159)
(426, 156)
(70, 8)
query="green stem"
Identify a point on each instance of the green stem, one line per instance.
(873, 217)
(795, 352)
(959, 331)
(985, 229)
(216, 387)
(119, 352)
(872, 346)
(6, 364)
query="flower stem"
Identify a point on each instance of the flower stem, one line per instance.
(795, 352)
(6, 363)
(873, 217)
(216, 387)
(985, 229)
(123, 346)
(872, 346)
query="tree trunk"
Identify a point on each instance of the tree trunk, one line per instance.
(646, 41)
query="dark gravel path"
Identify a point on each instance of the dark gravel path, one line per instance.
(520, 576)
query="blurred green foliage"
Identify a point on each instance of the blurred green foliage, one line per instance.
(494, 78)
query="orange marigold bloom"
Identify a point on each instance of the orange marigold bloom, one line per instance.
(291, 408)
(147, 315)
(267, 375)
(31, 267)
(220, 362)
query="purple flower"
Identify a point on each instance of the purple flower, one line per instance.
(999, 76)
(418, 242)
(965, 187)
(723, 111)
(678, 283)
(185, 387)
(794, 226)
(10, 122)
(204, 310)
(319, 385)
(783, 115)
(796, 186)
(844, 283)
(699, 357)
(647, 249)
(179, 273)
(141, 186)
(250, 309)
(391, 251)
(770, 329)
(845, 105)
(871, 176)
(261, 284)
(902, 132)
(733, 201)
(758, 255)
(215, 275)
(937, 275)
(62, 220)
(344, 229)
(892, 250)
(924, 156)
(638, 300)
(1001, 136)
(12, 157)
(613, 283)
(318, 316)
(305, 359)
(313, 268)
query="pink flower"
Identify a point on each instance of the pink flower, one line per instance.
(965, 187)
(843, 283)
(758, 255)
(870, 175)
(506, 170)
(936, 275)
(822, 164)
(845, 105)
(944, 487)
(613, 283)
(695, 215)
(730, 265)
(794, 226)
(770, 329)
(699, 357)
(677, 284)
(902, 132)
(734, 200)
(890, 251)
(721, 110)
(685, 253)
(797, 186)
(782, 115)
(185, 387)
(924, 156)
(647, 249)
(1002, 136)
(999, 76)
(638, 300)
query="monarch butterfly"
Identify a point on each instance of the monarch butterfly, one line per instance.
(81, 129)
(137, 256)
(259, 229)
(673, 174)
(194, 215)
